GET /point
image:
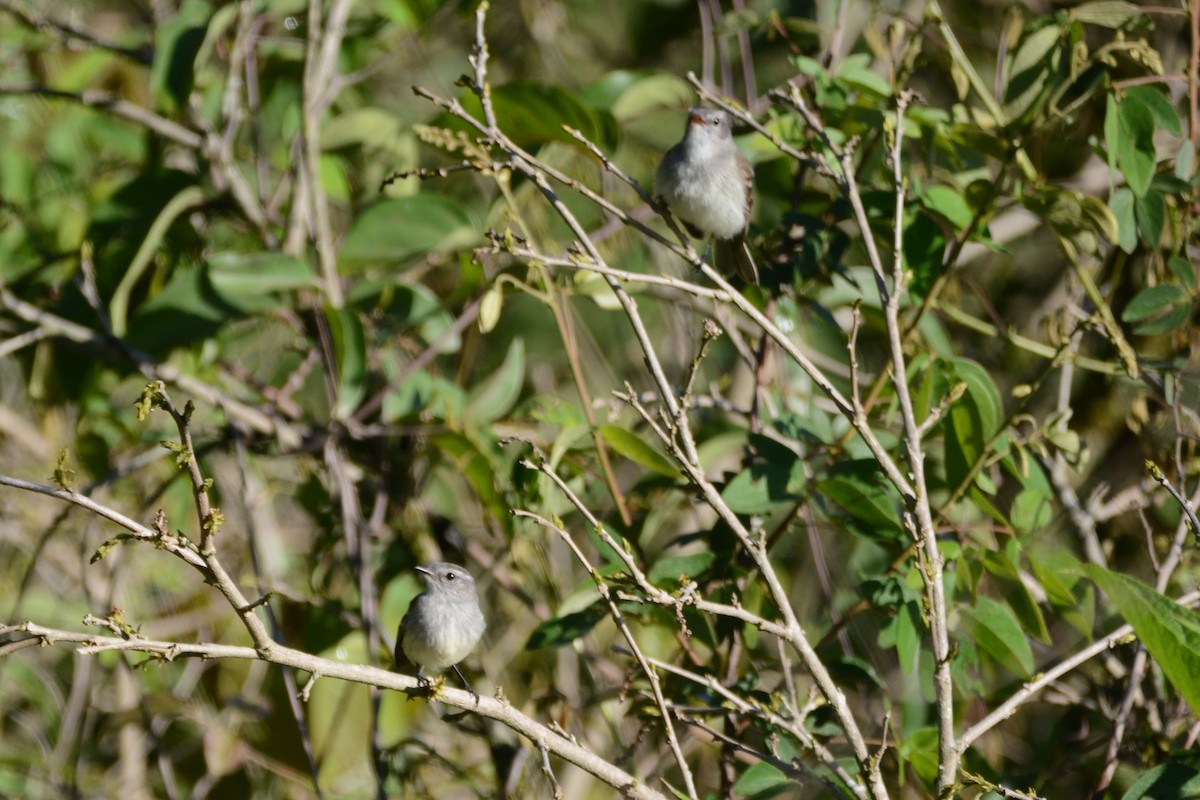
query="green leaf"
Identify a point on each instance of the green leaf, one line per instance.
(1170, 781)
(776, 476)
(185, 310)
(1112, 130)
(909, 631)
(636, 450)
(1150, 212)
(400, 228)
(422, 394)
(557, 631)
(1057, 591)
(1184, 160)
(496, 394)
(1173, 319)
(924, 247)
(375, 127)
(982, 392)
(176, 44)
(1170, 632)
(1107, 13)
(350, 353)
(762, 780)
(1164, 114)
(399, 306)
(1013, 590)
(949, 202)
(1122, 203)
(972, 421)
(1033, 64)
(1031, 511)
(1183, 271)
(670, 569)
(997, 632)
(249, 280)
(920, 749)
(532, 114)
(1135, 143)
(856, 72)
(629, 96)
(872, 505)
(1152, 300)
(465, 457)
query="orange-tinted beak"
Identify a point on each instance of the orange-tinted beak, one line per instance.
(694, 119)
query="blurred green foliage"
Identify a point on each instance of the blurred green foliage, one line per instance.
(366, 408)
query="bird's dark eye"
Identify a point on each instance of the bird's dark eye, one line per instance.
(450, 576)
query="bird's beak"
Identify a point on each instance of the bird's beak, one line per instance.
(695, 119)
(424, 571)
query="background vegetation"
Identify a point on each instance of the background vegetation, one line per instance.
(872, 529)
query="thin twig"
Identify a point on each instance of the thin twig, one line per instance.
(490, 707)
(143, 55)
(96, 98)
(619, 618)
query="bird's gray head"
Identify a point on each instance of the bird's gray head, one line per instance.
(709, 122)
(446, 578)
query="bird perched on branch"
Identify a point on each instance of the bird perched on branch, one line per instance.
(709, 184)
(443, 624)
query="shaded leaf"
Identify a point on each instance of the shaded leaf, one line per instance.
(557, 631)
(1135, 143)
(1171, 781)
(997, 632)
(1151, 300)
(858, 488)
(1122, 204)
(249, 280)
(533, 114)
(1151, 213)
(350, 354)
(1164, 113)
(1183, 271)
(775, 476)
(1013, 590)
(671, 568)
(496, 394)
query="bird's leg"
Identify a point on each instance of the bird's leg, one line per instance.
(474, 693)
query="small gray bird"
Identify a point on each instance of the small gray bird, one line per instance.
(443, 623)
(708, 184)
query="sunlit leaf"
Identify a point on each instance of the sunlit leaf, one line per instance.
(634, 448)
(1170, 632)
(1108, 13)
